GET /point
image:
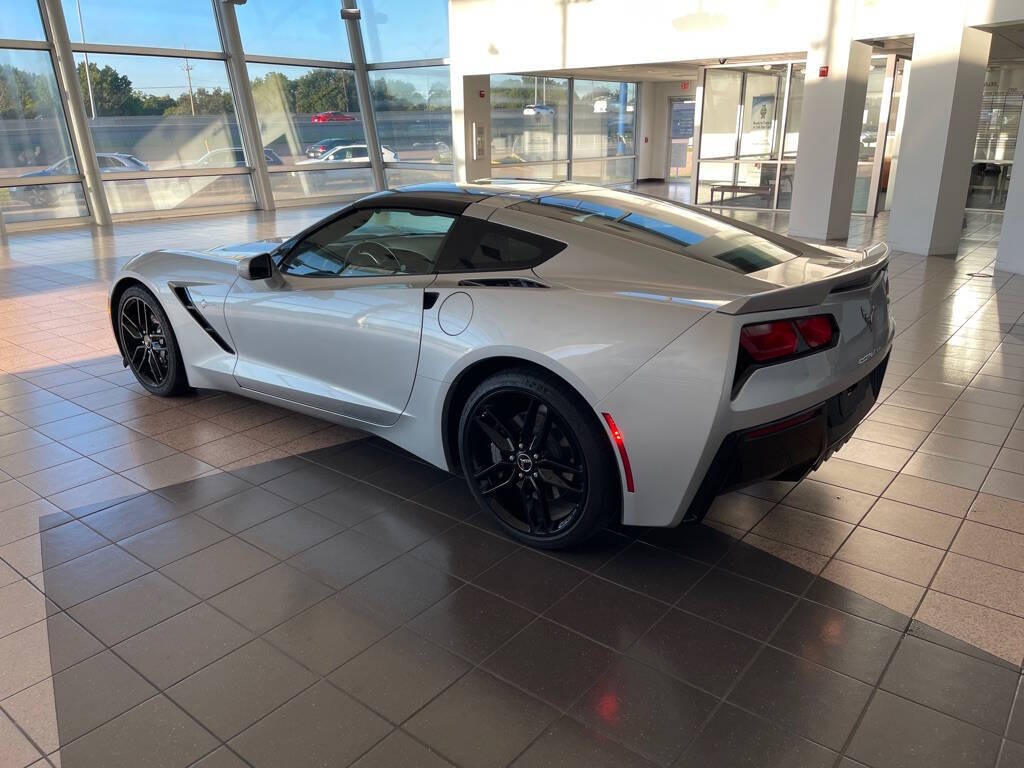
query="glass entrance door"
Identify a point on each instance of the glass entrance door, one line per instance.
(680, 141)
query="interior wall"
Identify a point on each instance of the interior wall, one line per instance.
(653, 151)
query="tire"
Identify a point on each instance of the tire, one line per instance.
(147, 342)
(535, 455)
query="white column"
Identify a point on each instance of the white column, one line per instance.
(830, 124)
(471, 111)
(939, 131)
(1010, 256)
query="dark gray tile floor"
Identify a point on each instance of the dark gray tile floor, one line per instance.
(211, 582)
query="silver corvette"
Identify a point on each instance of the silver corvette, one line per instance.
(580, 355)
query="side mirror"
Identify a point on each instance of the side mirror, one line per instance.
(258, 267)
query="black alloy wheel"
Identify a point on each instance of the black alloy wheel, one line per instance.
(148, 344)
(525, 454)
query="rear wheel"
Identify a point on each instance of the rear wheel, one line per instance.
(148, 343)
(535, 456)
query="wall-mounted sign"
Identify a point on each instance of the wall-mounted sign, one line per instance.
(823, 71)
(684, 86)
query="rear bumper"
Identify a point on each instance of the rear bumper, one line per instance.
(788, 448)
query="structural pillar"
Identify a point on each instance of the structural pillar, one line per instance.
(1010, 256)
(830, 125)
(248, 121)
(471, 126)
(939, 131)
(78, 123)
(350, 15)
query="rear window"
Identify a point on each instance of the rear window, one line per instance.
(663, 225)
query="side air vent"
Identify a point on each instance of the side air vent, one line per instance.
(186, 301)
(502, 282)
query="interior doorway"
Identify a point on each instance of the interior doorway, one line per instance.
(680, 138)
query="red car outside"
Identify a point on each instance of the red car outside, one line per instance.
(332, 117)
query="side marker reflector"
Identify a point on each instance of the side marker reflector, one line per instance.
(621, 445)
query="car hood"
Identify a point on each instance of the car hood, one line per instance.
(241, 250)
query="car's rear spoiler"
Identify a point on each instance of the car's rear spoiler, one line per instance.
(863, 273)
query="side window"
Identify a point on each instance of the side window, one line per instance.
(371, 243)
(479, 246)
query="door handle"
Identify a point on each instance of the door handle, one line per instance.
(430, 299)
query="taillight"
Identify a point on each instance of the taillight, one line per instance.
(767, 341)
(782, 338)
(817, 331)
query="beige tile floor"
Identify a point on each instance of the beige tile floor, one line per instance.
(923, 512)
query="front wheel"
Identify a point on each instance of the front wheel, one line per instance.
(148, 343)
(535, 455)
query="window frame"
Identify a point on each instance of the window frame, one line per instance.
(288, 248)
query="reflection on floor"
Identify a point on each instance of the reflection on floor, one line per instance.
(208, 581)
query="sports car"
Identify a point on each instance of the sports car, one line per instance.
(580, 355)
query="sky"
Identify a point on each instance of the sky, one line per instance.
(393, 30)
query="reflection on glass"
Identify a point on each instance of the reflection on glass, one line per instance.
(604, 119)
(996, 142)
(299, 185)
(897, 110)
(404, 30)
(159, 113)
(42, 202)
(413, 110)
(861, 188)
(762, 102)
(786, 186)
(681, 138)
(402, 177)
(272, 29)
(35, 135)
(539, 172)
(20, 21)
(795, 110)
(603, 171)
(134, 195)
(872, 109)
(740, 185)
(308, 115)
(722, 88)
(181, 24)
(529, 118)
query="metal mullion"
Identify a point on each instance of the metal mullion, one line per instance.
(878, 161)
(355, 46)
(245, 106)
(145, 50)
(568, 139)
(409, 64)
(26, 45)
(32, 181)
(413, 165)
(176, 173)
(314, 169)
(63, 61)
(698, 121)
(255, 58)
(782, 135)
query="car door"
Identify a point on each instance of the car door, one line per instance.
(338, 325)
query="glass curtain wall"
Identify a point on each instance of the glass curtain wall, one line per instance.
(39, 173)
(750, 134)
(163, 113)
(996, 142)
(163, 125)
(536, 134)
(742, 136)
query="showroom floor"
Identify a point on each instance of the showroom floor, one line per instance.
(209, 581)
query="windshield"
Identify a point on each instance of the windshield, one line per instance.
(663, 225)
